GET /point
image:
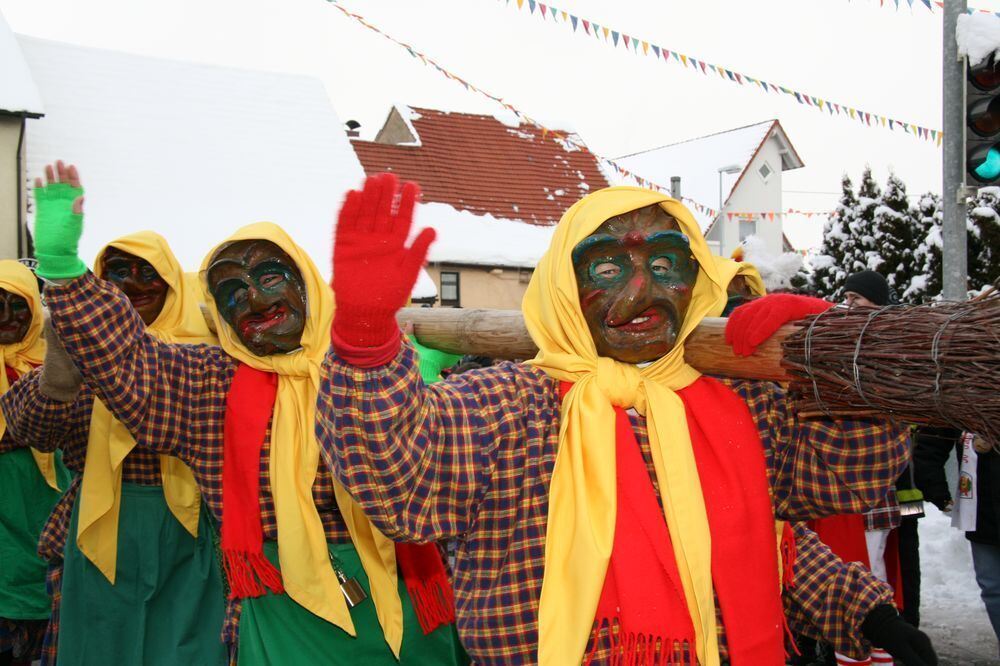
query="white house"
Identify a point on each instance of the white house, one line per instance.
(19, 102)
(735, 173)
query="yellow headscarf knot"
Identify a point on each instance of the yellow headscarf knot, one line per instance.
(110, 442)
(22, 356)
(306, 572)
(582, 494)
(620, 382)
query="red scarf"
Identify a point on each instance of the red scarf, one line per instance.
(249, 406)
(642, 599)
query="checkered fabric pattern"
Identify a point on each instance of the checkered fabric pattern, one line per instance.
(471, 459)
(886, 515)
(171, 397)
(53, 585)
(45, 424)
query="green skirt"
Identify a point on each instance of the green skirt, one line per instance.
(277, 631)
(25, 502)
(167, 605)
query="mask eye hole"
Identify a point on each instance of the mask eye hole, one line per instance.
(661, 265)
(607, 270)
(271, 280)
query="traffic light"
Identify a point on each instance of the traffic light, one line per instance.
(982, 124)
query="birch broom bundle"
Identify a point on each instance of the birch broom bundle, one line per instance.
(934, 364)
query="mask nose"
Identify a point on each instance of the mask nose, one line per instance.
(634, 298)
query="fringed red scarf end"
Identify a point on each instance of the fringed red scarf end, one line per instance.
(433, 601)
(632, 649)
(250, 573)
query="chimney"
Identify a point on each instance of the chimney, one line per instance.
(353, 129)
(675, 187)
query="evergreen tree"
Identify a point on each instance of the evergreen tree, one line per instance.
(984, 239)
(894, 229)
(828, 264)
(926, 281)
(861, 240)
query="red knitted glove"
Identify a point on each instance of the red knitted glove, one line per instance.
(373, 270)
(751, 324)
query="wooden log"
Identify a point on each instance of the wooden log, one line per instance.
(502, 334)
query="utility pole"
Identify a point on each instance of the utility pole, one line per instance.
(955, 271)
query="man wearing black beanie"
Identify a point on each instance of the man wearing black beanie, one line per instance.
(867, 289)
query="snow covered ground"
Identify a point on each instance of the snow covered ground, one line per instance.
(951, 611)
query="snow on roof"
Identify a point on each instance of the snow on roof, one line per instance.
(425, 287)
(978, 36)
(192, 151)
(483, 240)
(18, 93)
(697, 162)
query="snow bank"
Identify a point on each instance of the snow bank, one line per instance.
(467, 238)
(978, 36)
(948, 581)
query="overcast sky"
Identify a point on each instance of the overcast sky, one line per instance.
(850, 51)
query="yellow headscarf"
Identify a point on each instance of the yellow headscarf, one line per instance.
(180, 321)
(728, 271)
(582, 496)
(29, 352)
(294, 459)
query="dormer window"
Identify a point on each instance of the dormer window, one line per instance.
(765, 171)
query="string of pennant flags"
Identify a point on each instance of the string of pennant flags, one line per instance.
(569, 139)
(932, 5)
(642, 48)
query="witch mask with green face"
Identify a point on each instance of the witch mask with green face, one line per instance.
(635, 277)
(15, 317)
(260, 293)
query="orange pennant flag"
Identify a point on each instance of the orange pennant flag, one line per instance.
(645, 48)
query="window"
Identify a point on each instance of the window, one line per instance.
(765, 171)
(449, 289)
(747, 228)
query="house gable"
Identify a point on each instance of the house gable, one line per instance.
(396, 130)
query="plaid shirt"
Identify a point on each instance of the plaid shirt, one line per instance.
(471, 458)
(171, 397)
(886, 515)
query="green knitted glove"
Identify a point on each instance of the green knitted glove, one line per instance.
(57, 232)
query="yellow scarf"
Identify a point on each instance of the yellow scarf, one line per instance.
(582, 496)
(110, 442)
(730, 269)
(29, 352)
(294, 459)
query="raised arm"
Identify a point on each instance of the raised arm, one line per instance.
(820, 467)
(417, 458)
(155, 389)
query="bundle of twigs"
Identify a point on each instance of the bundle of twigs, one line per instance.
(935, 364)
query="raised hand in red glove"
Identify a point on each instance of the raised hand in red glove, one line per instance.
(373, 269)
(751, 324)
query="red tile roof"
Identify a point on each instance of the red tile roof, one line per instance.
(477, 163)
